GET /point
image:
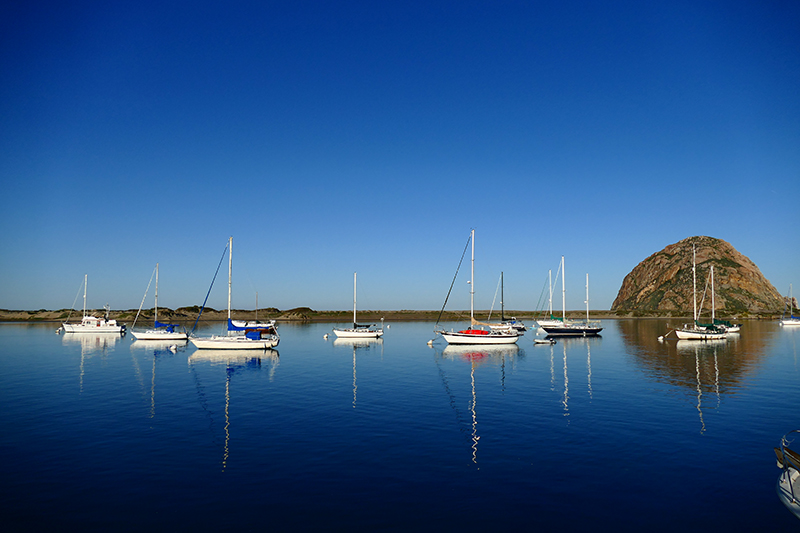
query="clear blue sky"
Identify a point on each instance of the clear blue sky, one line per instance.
(333, 137)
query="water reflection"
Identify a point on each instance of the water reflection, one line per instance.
(91, 344)
(706, 356)
(159, 349)
(576, 346)
(235, 362)
(702, 369)
(673, 362)
(477, 356)
(358, 344)
(791, 333)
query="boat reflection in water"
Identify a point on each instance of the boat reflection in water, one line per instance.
(708, 352)
(159, 349)
(575, 346)
(476, 356)
(363, 344)
(235, 362)
(738, 357)
(700, 369)
(91, 344)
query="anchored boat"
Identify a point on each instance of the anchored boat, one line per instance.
(260, 336)
(358, 331)
(473, 334)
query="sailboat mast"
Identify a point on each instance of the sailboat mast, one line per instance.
(502, 310)
(472, 283)
(85, 282)
(587, 297)
(694, 286)
(354, 299)
(563, 292)
(155, 318)
(712, 294)
(550, 285)
(230, 272)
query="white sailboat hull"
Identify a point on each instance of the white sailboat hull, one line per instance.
(457, 337)
(358, 333)
(790, 322)
(159, 335)
(222, 342)
(698, 335)
(573, 330)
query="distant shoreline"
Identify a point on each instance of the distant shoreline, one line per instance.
(305, 314)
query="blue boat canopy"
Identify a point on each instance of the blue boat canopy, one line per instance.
(170, 327)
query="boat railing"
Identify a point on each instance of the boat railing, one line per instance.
(788, 459)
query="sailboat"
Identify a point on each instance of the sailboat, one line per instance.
(475, 335)
(695, 331)
(92, 324)
(791, 320)
(507, 324)
(247, 337)
(552, 321)
(358, 331)
(572, 329)
(160, 331)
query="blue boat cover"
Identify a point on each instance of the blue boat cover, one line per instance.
(170, 327)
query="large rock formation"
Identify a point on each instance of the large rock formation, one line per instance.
(663, 282)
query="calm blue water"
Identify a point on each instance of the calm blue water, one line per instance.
(622, 431)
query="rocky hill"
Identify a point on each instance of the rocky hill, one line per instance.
(662, 283)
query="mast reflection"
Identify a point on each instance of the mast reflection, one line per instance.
(572, 346)
(704, 353)
(159, 350)
(362, 344)
(234, 361)
(91, 344)
(477, 356)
